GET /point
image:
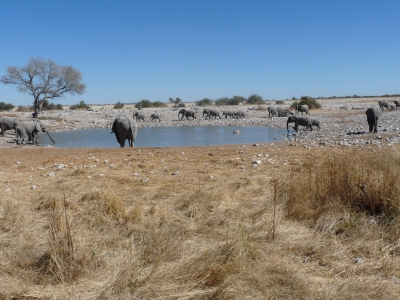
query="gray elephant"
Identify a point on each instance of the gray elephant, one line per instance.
(284, 112)
(272, 111)
(392, 107)
(8, 123)
(397, 103)
(227, 113)
(373, 115)
(125, 129)
(155, 117)
(187, 113)
(302, 108)
(30, 130)
(384, 103)
(299, 120)
(138, 116)
(316, 122)
(210, 112)
(239, 114)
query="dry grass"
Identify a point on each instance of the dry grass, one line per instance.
(129, 229)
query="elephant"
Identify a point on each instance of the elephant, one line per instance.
(383, 104)
(272, 111)
(373, 115)
(392, 107)
(138, 116)
(239, 114)
(302, 108)
(155, 117)
(299, 120)
(227, 113)
(29, 129)
(397, 103)
(283, 112)
(187, 113)
(315, 122)
(211, 112)
(125, 129)
(7, 123)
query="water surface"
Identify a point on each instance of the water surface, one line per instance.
(167, 136)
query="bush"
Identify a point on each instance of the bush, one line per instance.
(59, 107)
(204, 102)
(6, 106)
(279, 102)
(81, 105)
(221, 101)
(118, 105)
(255, 99)
(306, 100)
(143, 103)
(159, 104)
(148, 103)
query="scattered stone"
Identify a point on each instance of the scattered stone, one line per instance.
(33, 187)
(175, 173)
(51, 174)
(358, 260)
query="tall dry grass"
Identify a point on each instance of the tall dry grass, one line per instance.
(292, 232)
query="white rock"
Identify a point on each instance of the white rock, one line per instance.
(51, 174)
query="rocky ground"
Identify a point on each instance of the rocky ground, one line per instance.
(343, 121)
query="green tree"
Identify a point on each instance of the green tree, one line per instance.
(6, 106)
(221, 101)
(204, 102)
(44, 80)
(81, 105)
(311, 102)
(255, 99)
(118, 105)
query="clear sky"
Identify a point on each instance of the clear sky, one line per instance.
(193, 49)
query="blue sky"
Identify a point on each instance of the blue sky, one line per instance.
(155, 49)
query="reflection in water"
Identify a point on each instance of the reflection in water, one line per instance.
(168, 136)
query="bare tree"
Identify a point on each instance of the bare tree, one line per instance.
(44, 80)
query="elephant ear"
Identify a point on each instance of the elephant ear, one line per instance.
(38, 127)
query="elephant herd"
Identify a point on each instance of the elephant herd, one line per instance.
(373, 114)
(26, 129)
(385, 104)
(208, 113)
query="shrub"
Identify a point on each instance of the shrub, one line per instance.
(159, 104)
(81, 105)
(221, 101)
(118, 105)
(6, 106)
(255, 99)
(204, 102)
(59, 107)
(311, 102)
(279, 102)
(148, 103)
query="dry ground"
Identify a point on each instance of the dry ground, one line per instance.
(181, 223)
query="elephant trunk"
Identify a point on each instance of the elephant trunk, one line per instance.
(287, 125)
(50, 138)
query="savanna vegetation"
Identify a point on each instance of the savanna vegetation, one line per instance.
(148, 103)
(44, 80)
(80, 105)
(118, 105)
(307, 100)
(115, 223)
(6, 106)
